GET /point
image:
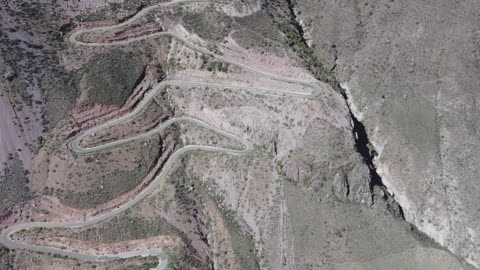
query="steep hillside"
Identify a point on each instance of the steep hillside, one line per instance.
(237, 135)
(409, 69)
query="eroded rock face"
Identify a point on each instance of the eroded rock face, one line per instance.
(353, 185)
(411, 71)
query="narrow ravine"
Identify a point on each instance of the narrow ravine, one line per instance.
(362, 145)
(378, 190)
(359, 133)
(295, 21)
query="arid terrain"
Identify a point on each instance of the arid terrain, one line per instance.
(238, 134)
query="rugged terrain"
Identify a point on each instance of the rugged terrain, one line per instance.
(236, 135)
(409, 71)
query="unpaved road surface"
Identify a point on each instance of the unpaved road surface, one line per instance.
(315, 86)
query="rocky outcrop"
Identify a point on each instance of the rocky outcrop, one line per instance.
(410, 70)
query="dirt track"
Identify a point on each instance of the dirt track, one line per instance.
(75, 146)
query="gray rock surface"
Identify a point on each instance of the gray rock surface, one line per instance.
(411, 71)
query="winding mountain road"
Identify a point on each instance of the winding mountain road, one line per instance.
(75, 145)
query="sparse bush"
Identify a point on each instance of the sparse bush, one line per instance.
(114, 184)
(209, 24)
(110, 78)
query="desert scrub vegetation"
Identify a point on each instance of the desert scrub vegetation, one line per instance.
(211, 64)
(281, 170)
(242, 240)
(7, 258)
(261, 23)
(193, 134)
(29, 10)
(188, 207)
(15, 184)
(30, 42)
(4, 250)
(10, 259)
(114, 184)
(243, 243)
(296, 42)
(123, 227)
(259, 31)
(209, 24)
(217, 66)
(134, 224)
(285, 18)
(148, 118)
(109, 78)
(181, 258)
(119, 11)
